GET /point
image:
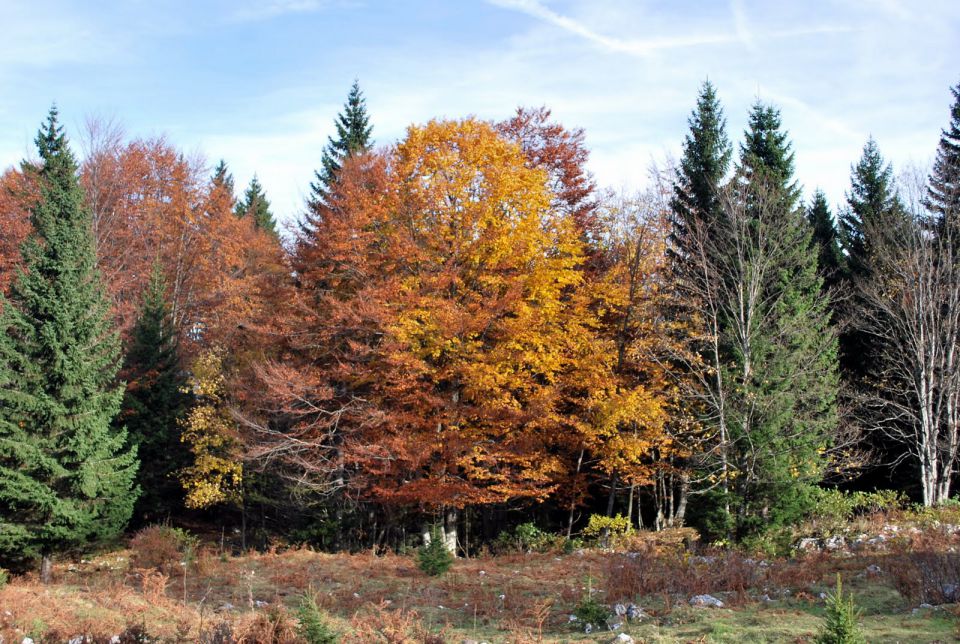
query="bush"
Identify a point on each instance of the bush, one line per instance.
(527, 537)
(4, 577)
(162, 547)
(314, 627)
(434, 558)
(833, 510)
(589, 611)
(607, 530)
(841, 625)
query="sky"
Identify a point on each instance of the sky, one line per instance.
(259, 82)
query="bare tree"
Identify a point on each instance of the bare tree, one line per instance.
(912, 309)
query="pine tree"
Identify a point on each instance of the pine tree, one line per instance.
(66, 474)
(222, 178)
(353, 137)
(830, 257)
(706, 160)
(155, 404)
(873, 208)
(943, 198)
(255, 204)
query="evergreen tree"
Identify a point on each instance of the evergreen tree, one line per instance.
(943, 198)
(873, 207)
(706, 160)
(155, 404)
(66, 474)
(255, 204)
(782, 353)
(222, 178)
(830, 257)
(353, 137)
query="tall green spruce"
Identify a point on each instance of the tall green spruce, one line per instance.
(706, 160)
(353, 137)
(781, 354)
(943, 198)
(154, 404)
(826, 241)
(66, 472)
(253, 204)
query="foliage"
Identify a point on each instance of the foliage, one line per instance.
(214, 475)
(607, 529)
(66, 473)
(834, 509)
(314, 627)
(589, 611)
(841, 622)
(155, 403)
(527, 537)
(162, 547)
(255, 205)
(434, 558)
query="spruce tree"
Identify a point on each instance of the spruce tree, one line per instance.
(353, 137)
(66, 473)
(706, 160)
(943, 197)
(222, 178)
(829, 256)
(255, 204)
(873, 208)
(783, 362)
(155, 403)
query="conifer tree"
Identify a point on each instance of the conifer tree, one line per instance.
(155, 404)
(706, 160)
(943, 198)
(222, 177)
(66, 474)
(781, 361)
(255, 204)
(353, 137)
(830, 257)
(873, 207)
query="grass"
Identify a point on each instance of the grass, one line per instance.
(505, 598)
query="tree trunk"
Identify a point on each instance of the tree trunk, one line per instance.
(46, 569)
(450, 533)
(573, 496)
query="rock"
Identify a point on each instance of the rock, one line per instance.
(765, 598)
(635, 613)
(227, 606)
(808, 543)
(260, 604)
(616, 626)
(951, 592)
(27, 640)
(588, 629)
(78, 639)
(877, 540)
(572, 618)
(706, 600)
(115, 639)
(834, 543)
(873, 569)
(622, 638)
(619, 610)
(823, 595)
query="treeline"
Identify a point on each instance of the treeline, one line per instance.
(462, 328)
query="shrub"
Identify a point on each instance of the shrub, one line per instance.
(607, 530)
(840, 626)
(589, 610)
(434, 558)
(162, 547)
(527, 537)
(4, 577)
(833, 510)
(314, 627)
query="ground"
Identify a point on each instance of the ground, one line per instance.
(519, 597)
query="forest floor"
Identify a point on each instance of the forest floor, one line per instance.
(903, 583)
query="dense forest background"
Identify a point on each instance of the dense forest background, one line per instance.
(463, 330)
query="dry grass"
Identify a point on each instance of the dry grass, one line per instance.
(507, 598)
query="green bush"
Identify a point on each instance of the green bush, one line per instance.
(4, 577)
(314, 627)
(607, 530)
(589, 610)
(434, 558)
(527, 537)
(833, 510)
(841, 621)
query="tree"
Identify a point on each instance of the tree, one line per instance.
(254, 203)
(353, 137)
(17, 192)
(706, 160)
(215, 473)
(764, 355)
(155, 403)
(943, 198)
(872, 205)
(66, 474)
(830, 258)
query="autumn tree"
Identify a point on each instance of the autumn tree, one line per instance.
(66, 473)
(17, 192)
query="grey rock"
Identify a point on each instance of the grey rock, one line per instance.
(808, 543)
(706, 600)
(619, 610)
(635, 613)
(622, 638)
(834, 543)
(873, 569)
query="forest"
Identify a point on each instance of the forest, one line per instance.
(462, 336)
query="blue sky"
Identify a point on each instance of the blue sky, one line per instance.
(259, 82)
